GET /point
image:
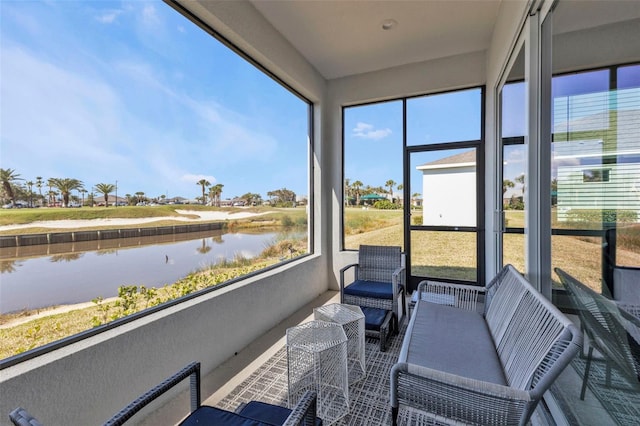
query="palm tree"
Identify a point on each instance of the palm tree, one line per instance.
(204, 183)
(50, 199)
(83, 191)
(140, 196)
(390, 183)
(7, 176)
(356, 186)
(65, 186)
(30, 186)
(217, 191)
(105, 189)
(39, 183)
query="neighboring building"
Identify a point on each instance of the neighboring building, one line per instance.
(598, 167)
(448, 190)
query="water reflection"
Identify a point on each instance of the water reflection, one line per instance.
(56, 274)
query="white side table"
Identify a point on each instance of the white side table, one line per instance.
(352, 320)
(317, 360)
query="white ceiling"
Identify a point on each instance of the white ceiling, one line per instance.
(341, 38)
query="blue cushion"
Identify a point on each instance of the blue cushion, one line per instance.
(373, 289)
(206, 415)
(373, 317)
(268, 413)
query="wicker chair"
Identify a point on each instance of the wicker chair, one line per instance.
(379, 280)
(254, 413)
(609, 330)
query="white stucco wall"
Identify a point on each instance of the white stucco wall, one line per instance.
(449, 196)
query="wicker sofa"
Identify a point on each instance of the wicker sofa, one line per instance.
(482, 368)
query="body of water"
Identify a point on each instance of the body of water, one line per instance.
(59, 274)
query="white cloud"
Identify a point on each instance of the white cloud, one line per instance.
(108, 17)
(150, 16)
(367, 131)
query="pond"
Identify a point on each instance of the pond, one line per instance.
(59, 274)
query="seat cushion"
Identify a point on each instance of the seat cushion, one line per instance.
(268, 413)
(452, 340)
(374, 289)
(206, 415)
(373, 317)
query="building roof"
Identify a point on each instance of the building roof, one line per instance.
(466, 158)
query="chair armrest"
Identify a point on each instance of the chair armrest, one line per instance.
(342, 271)
(304, 413)
(459, 295)
(192, 370)
(398, 276)
(21, 417)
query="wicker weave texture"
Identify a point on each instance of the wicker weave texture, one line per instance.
(378, 264)
(317, 361)
(351, 318)
(534, 342)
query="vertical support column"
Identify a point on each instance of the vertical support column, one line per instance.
(538, 177)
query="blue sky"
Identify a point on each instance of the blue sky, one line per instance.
(374, 136)
(131, 91)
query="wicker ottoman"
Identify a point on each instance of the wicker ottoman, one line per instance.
(381, 324)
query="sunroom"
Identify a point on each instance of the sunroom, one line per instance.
(542, 100)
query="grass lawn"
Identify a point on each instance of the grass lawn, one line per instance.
(166, 216)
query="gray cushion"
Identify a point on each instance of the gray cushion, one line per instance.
(464, 345)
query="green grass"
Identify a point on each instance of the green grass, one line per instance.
(166, 216)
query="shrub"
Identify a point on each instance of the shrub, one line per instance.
(386, 205)
(602, 215)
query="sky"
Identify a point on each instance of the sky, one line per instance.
(374, 135)
(134, 93)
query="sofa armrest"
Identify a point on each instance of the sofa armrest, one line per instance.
(458, 295)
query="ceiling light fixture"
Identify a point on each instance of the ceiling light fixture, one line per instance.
(389, 24)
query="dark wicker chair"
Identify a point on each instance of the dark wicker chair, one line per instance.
(379, 280)
(254, 413)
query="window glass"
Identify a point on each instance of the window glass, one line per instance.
(514, 119)
(447, 117)
(595, 169)
(373, 188)
(152, 161)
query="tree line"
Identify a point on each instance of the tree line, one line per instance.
(353, 191)
(14, 188)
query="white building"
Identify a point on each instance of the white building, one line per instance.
(441, 206)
